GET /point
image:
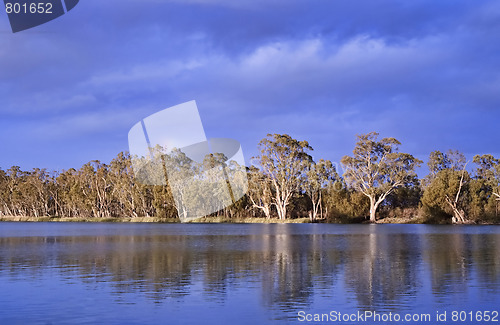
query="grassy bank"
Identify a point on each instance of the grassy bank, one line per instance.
(151, 219)
(247, 220)
(66, 219)
(221, 219)
(403, 220)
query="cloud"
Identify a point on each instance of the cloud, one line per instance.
(424, 72)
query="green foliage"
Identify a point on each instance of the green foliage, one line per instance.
(481, 203)
(377, 168)
(345, 205)
(405, 197)
(452, 159)
(284, 161)
(286, 183)
(319, 176)
(445, 184)
(477, 197)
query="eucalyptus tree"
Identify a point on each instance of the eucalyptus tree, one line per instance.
(343, 203)
(488, 173)
(184, 184)
(437, 162)
(284, 160)
(66, 204)
(259, 191)
(452, 159)
(447, 188)
(4, 208)
(489, 170)
(318, 177)
(96, 187)
(123, 196)
(14, 194)
(377, 168)
(214, 183)
(37, 189)
(83, 191)
(238, 183)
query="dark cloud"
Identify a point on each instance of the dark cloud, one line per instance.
(425, 72)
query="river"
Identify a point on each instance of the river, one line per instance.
(112, 273)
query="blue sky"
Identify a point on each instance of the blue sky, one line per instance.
(424, 72)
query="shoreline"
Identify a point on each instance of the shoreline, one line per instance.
(150, 220)
(249, 220)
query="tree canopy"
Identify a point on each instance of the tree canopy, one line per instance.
(285, 182)
(377, 168)
(284, 161)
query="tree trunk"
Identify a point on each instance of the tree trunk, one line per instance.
(458, 214)
(265, 207)
(320, 207)
(316, 207)
(281, 211)
(373, 208)
(281, 204)
(267, 211)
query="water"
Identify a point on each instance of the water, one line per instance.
(68, 273)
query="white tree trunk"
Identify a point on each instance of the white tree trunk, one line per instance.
(373, 209)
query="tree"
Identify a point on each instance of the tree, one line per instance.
(284, 160)
(452, 159)
(259, 191)
(458, 213)
(404, 201)
(377, 168)
(4, 200)
(181, 171)
(440, 199)
(447, 186)
(319, 176)
(345, 204)
(489, 171)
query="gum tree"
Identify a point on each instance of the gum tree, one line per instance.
(259, 191)
(447, 186)
(284, 161)
(489, 170)
(320, 175)
(377, 168)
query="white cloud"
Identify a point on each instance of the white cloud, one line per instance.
(149, 73)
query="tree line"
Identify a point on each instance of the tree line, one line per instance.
(284, 182)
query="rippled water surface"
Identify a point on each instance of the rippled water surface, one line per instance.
(60, 273)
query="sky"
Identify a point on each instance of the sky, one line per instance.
(424, 72)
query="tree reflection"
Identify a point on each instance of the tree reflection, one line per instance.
(382, 268)
(453, 258)
(289, 269)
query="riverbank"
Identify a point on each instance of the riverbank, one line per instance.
(222, 219)
(151, 219)
(67, 219)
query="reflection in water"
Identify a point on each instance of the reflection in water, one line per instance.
(455, 257)
(290, 270)
(383, 268)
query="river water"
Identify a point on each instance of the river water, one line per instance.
(100, 273)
